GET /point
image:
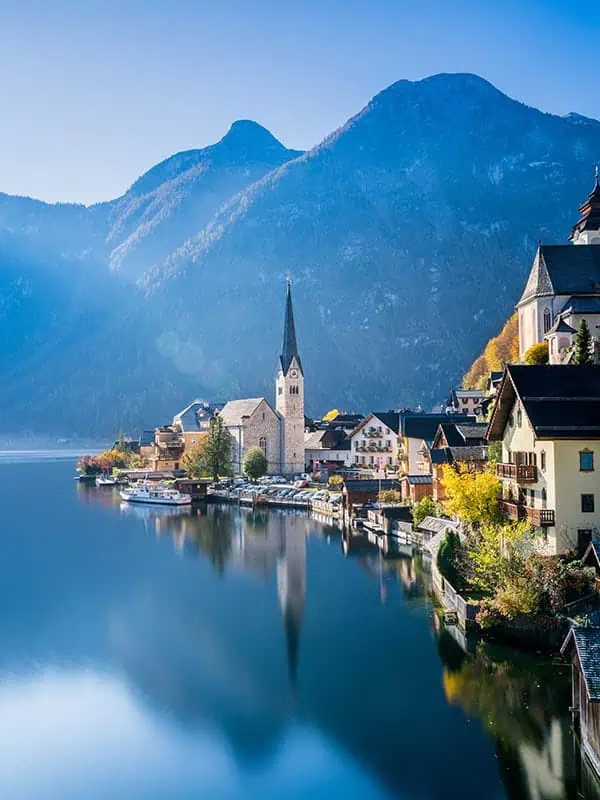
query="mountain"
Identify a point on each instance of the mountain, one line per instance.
(179, 196)
(408, 231)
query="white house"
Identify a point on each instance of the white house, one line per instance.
(548, 420)
(374, 442)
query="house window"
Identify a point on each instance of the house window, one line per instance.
(262, 443)
(263, 413)
(390, 460)
(387, 443)
(511, 421)
(547, 320)
(587, 503)
(372, 459)
(586, 461)
(519, 416)
(543, 460)
(544, 499)
(280, 390)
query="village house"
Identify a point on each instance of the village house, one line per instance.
(564, 287)
(374, 442)
(417, 431)
(456, 444)
(466, 401)
(164, 447)
(327, 449)
(548, 421)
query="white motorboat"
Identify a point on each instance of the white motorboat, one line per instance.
(106, 480)
(155, 495)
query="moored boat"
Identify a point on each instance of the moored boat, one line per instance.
(155, 495)
(106, 480)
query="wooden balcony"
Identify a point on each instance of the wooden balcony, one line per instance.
(521, 473)
(514, 511)
(540, 517)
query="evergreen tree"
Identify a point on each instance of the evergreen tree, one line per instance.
(583, 341)
(212, 455)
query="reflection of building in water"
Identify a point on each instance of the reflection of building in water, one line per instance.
(291, 587)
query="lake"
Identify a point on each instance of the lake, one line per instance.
(227, 653)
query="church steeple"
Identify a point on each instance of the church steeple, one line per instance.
(587, 229)
(289, 345)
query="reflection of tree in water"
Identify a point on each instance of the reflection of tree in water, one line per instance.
(523, 704)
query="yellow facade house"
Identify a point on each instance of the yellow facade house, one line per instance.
(548, 421)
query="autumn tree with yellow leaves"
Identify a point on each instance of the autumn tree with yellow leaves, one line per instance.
(499, 351)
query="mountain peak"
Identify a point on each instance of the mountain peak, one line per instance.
(248, 141)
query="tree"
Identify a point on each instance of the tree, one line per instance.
(471, 496)
(583, 342)
(389, 496)
(502, 349)
(335, 481)
(212, 455)
(427, 507)
(537, 354)
(448, 556)
(255, 463)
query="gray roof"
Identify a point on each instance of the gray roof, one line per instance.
(147, 438)
(312, 440)
(188, 418)
(233, 411)
(581, 305)
(564, 269)
(586, 642)
(416, 480)
(560, 326)
(437, 525)
(371, 485)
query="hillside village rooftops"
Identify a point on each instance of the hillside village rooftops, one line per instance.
(565, 269)
(586, 642)
(561, 401)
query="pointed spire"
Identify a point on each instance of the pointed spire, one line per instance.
(289, 346)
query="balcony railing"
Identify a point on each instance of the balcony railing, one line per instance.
(540, 517)
(521, 473)
(512, 510)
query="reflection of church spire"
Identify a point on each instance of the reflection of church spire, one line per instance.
(291, 587)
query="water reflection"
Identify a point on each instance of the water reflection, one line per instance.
(237, 653)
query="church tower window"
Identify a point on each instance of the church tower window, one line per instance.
(547, 320)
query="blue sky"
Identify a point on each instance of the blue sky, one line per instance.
(94, 92)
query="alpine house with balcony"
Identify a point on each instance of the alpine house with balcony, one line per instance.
(374, 442)
(548, 420)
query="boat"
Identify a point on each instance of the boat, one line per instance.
(155, 495)
(106, 480)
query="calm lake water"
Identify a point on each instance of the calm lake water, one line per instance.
(232, 654)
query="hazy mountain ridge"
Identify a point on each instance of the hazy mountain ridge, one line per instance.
(408, 231)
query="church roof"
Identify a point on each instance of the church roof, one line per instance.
(564, 269)
(560, 326)
(234, 411)
(581, 305)
(289, 345)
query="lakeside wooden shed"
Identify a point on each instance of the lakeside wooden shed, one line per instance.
(582, 645)
(362, 492)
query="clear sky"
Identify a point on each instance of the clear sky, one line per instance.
(94, 92)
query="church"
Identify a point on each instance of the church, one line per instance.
(279, 432)
(564, 287)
